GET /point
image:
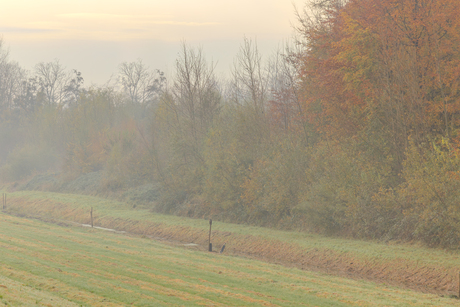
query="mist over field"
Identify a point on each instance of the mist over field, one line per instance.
(231, 153)
(349, 128)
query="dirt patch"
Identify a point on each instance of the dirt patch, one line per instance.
(400, 272)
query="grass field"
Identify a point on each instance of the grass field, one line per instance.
(50, 265)
(403, 265)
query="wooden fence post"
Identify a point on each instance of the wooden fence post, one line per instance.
(210, 244)
(91, 213)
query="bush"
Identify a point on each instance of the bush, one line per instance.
(146, 194)
(429, 196)
(42, 182)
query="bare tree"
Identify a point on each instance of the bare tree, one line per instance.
(59, 86)
(11, 77)
(195, 90)
(284, 86)
(139, 83)
(249, 78)
(189, 107)
(250, 91)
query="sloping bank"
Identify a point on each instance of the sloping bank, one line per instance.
(408, 266)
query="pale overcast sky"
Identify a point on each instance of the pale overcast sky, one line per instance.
(94, 36)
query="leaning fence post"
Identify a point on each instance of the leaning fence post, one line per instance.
(91, 213)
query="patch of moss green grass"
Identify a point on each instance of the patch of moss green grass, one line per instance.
(96, 268)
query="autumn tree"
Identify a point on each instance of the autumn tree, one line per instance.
(375, 75)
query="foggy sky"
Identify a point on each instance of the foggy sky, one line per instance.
(94, 36)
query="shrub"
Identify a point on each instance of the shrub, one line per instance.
(429, 196)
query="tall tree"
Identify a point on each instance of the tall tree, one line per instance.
(11, 78)
(60, 87)
(187, 112)
(140, 84)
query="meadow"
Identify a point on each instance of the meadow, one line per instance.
(410, 266)
(46, 264)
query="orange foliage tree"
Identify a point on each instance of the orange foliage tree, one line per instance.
(392, 60)
(377, 76)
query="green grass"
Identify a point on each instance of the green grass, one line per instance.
(368, 249)
(58, 265)
(15, 293)
(404, 265)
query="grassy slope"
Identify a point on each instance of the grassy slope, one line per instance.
(50, 265)
(411, 266)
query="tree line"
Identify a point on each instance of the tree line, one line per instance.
(352, 129)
